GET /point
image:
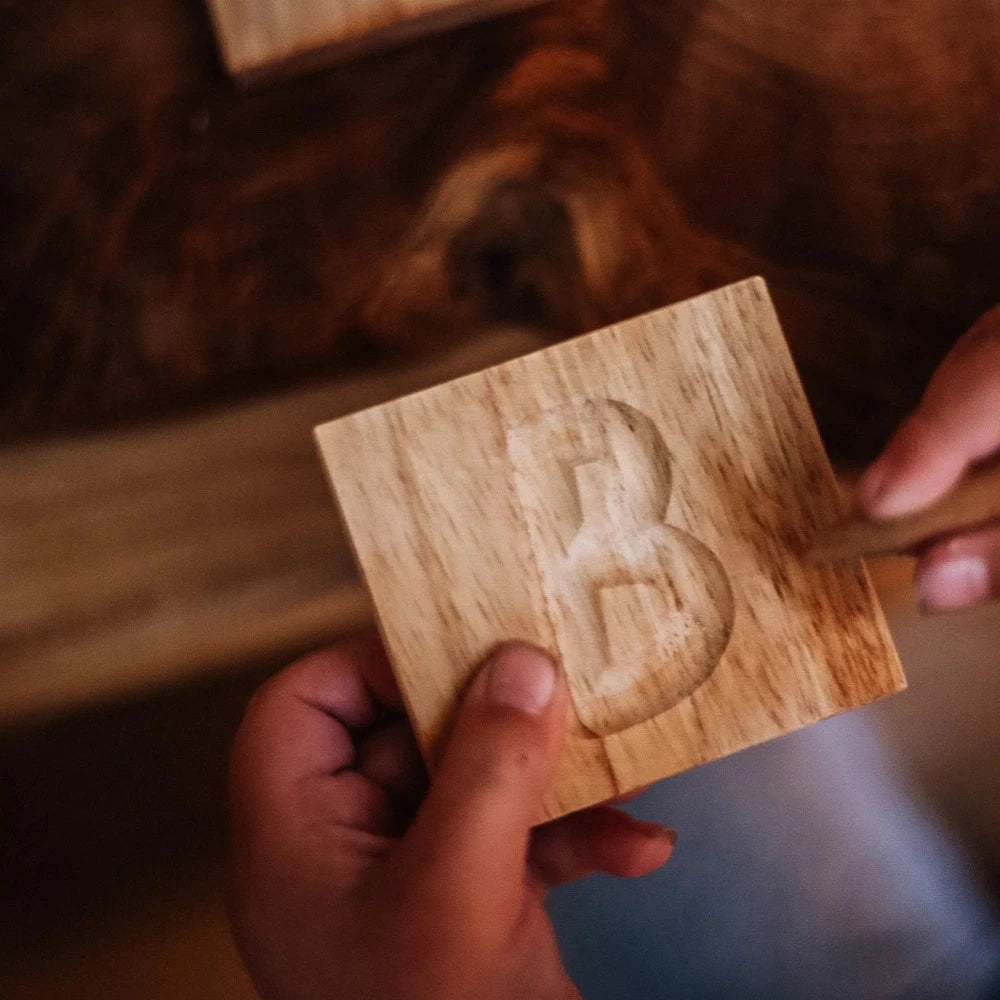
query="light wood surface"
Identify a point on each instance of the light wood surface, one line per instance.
(140, 558)
(634, 500)
(261, 37)
(973, 502)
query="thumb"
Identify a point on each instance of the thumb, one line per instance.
(470, 838)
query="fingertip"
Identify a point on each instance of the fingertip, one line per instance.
(600, 839)
(914, 470)
(389, 757)
(657, 832)
(367, 649)
(522, 677)
(959, 572)
(643, 850)
(301, 721)
(518, 695)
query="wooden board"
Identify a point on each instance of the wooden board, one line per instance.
(146, 557)
(635, 500)
(261, 37)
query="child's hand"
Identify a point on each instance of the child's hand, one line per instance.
(956, 425)
(342, 890)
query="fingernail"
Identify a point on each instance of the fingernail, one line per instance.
(889, 490)
(655, 831)
(523, 678)
(886, 489)
(871, 484)
(954, 583)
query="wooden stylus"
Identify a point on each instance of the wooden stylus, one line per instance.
(973, 502)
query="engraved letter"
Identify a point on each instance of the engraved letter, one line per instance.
(642, 610)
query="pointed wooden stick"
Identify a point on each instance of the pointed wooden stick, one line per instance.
(973, 502)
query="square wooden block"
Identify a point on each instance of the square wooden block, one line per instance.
(262, 37)
(634, 500)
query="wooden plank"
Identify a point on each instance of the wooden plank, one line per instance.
(136, 559)
(261, 37)
(636, 501)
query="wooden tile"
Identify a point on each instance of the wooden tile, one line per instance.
(260, 37)
(635, 500)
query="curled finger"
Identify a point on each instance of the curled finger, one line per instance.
(601, 839)
(960, 571)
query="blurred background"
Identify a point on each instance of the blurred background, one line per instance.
(196, 266)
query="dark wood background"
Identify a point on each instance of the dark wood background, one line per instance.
(170, 242)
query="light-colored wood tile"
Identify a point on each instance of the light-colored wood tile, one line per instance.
(260, 37)
(635, 500)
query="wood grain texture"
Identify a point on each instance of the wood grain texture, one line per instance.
(134, 560)
(262, 37)
(634, 500)
(974, 502)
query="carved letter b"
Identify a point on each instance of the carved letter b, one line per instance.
(642, 610)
